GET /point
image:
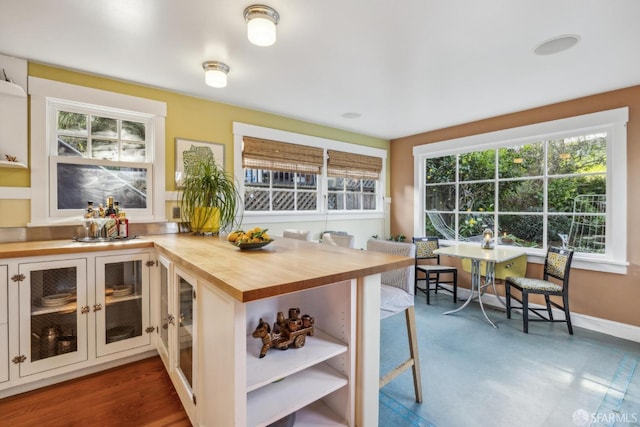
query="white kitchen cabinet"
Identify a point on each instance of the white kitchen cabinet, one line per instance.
(74, 312)
(122, 303)
(182, 336)
(166, 311)
(53, 305)
(4, 326)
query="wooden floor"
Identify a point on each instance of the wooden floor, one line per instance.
(137, 394)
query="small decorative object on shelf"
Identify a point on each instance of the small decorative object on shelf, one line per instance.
(487, 236)
(286, 332)
(10, 158)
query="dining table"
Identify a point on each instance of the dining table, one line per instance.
(478, 254)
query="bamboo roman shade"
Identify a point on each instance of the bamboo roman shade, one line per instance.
(281, 156)
(350, 165)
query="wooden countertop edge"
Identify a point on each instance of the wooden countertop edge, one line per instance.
(62, 247)
(279, 288)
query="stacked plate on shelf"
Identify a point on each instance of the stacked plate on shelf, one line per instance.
(55, 300)
(122, 290)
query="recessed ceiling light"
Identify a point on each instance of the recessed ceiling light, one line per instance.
(351, 115)
(557, 44)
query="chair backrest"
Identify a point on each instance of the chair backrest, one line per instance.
(296, 234)
(345, 240)
(403, 277)
(425, 247)
(557, 264)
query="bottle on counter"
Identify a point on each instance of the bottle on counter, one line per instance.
(110, 209)
(123, 224)
(111, 226)
(89, 211)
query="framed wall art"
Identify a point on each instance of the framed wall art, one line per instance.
(183, 145)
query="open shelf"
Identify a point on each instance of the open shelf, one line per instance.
(11, 89)
(318, 414)
(278, 364)
(7, 164)
(66, 308)
(275, 401)
(113, 300)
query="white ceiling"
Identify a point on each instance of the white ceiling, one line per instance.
(407, 66)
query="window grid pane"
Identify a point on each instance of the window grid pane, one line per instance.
(543, 193)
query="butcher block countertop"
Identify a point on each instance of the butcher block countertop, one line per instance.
(283, 266)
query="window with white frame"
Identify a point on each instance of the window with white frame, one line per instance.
(96, 146)
(352, 180)
(534, 187)
(280, 176)
(288, 173)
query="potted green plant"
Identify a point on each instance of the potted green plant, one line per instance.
(209, 197)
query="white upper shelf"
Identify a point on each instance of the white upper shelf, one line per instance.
(11, 89)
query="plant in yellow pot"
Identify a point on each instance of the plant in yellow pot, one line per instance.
(209, 196)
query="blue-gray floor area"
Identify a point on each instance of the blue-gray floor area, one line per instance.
(475, 375)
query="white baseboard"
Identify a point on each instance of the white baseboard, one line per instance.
(604, 326)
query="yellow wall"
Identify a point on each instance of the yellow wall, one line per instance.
(187, 117)
(606, 296)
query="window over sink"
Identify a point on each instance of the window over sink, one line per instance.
(91, 144)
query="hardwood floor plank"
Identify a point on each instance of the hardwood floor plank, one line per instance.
(137, 394)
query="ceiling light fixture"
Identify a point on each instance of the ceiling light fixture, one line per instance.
(215, 73)
(557, 44)
(261, 24)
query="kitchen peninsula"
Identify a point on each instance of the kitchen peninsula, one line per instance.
(333, 378)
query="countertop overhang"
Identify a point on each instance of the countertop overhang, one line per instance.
(284, 266)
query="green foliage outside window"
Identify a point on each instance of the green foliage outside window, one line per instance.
(514, 190)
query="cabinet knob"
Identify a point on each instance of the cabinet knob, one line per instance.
(18, 277)
(97, 307)
(85, 309)
(19, 359)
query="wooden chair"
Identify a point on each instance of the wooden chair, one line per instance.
(424, 250)
(396, 296)
(557, 265)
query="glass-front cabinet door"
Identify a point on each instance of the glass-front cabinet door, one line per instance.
(122, 303)
(4, 326)
(167, 318)
(53, 314)
(184, 294)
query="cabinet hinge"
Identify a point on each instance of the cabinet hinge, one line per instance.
(193, 397)
(151, 263)
(19, 359)
(150, 329)
(18, 277)
(194, 294)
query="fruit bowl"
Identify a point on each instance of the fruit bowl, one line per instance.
(252, 245)
(255, 238)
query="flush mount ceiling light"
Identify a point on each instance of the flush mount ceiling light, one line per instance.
(261, 24)
(215, 73)
(557, 44)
